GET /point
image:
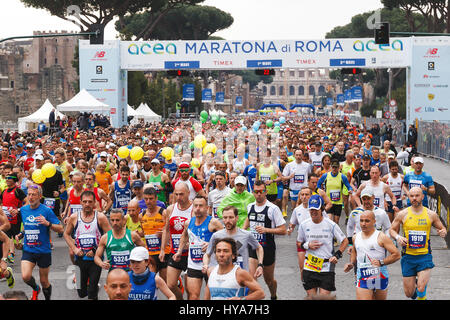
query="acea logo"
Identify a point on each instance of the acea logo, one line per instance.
(156, 48)
(361, 46)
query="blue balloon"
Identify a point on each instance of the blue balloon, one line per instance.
(244, 128)
(282, 120)
(277, 124)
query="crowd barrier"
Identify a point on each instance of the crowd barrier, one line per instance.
(433, 139)
(440, 203)
(398, 127)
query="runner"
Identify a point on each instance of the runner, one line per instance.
(177, 214)
(158, 180)
(371, 259)
(117, 243)
(121, 192)
(118, 285)
(269, 174)
(296, 173)
(316, 236)
(421, 179)
(74, 205)
(194, 186)
(5, 271)
(216, 196)
(196, 234)
(87, 227)
(417, 260)
(38, 220)
(395, 181)
(228, 281)
(103, 201)
(265, 221)
(145, 283)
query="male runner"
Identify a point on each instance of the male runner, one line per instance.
(120, 191)
(118, 285)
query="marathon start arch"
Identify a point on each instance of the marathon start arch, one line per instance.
(103, 68)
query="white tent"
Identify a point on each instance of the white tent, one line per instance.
(131, 111)
(31, 121)
(144, 112)
(84, 102)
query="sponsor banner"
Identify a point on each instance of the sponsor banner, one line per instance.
(348, 96)
(189, 92)
(242, 54)
(340, 100)
(220, 97)
(357, 94)
(101, 76)
(206, 95)
(429, 79)
(330, 102)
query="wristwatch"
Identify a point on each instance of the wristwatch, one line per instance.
(382, 262)
(260, 265)
(5, 260)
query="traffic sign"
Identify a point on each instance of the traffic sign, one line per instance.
(393, 117)
(387, 115)
(393, 103)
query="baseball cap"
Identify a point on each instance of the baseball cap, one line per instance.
(334, 162)
(137, 184)
(39, 157)
(366, 157)
(418, 159)
(20, 144)
(103, 154)
(315, 202)
(391, 154)
(29, 145)
(367, 192)
(184, 165)
(139, 254)
(240, 180)
(39, 151)
(155, 161)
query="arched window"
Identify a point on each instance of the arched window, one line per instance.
(281, 91)
(301, 91)
(265, 90)
(311, 90)
(321, 90)
(291, 91)
(273, 91)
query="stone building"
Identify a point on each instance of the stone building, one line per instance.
(34, 70)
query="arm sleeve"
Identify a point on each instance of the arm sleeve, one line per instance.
(346, 183)
(350, 225)
(321, 180)
(294, 220)
(196, 185)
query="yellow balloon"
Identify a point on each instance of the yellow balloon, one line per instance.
(210, 147)
(167, 153)
(136, 153)
(195, 163)
(37, 176)
(123, 152)
(200, 141)
(48, 170)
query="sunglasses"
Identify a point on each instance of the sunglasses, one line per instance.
(185, 170)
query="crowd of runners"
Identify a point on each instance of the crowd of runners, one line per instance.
(199, 206)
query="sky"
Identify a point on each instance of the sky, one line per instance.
(253, 19)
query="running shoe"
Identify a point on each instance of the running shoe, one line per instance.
(36, 293)
(10, 257)
(60, 235)
(10, 279)
(180, 285)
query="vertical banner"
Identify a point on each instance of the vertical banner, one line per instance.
(330, 102)
(101, 76)
(188, 92)
(356, 94)
(340, 99)
(206, 95)
(348, 96)
(220, 97)
(238, 101)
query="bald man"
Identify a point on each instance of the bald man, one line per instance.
(370, 257)
(178, 214)
(133, 221)
(417, 261)
(118, 285)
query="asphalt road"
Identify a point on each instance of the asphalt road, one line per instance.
(286, 271)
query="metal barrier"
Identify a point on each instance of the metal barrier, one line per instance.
(433, 139)
(9, 125)
(440, 203)
(398, 127)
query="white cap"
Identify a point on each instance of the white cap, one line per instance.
(139, 254)
(155, 161)
(39, 157)
(418, 159)
(391, 154)
(39, 151)
(29, 145)
(103, 154)
(367, 192)
(241, 180)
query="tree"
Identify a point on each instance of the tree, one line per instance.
(186, 23)
(85, 13)
(137, 87)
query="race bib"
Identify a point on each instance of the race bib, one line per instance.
(50, 202)
(153, 242)
(240, 262)
(265, 178)
(32, 238)
(119, 259)
(86, 242)
(123, 201)
(75, 208)
(195, 250)
(376, 202)
(260, 237)
(156, 186)
(335, 195)
(317, 163)
(368, 272)
(214, 210)
(299, 178)
(313, 263)
(176, 241)
(415, 183)
(397, 194)
(417, 239)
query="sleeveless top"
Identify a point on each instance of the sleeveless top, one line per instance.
(261, 219)
(122, 196)
(334, 186)
(118, 250)
(151, 225)
(396, 186)
(378, 193)
(176, 226)
(156, 180)
(224, 286)
(87, 235)
(367, 250)
(144, 291)
(416, 229)
(74, 202)
(197, 236)
(10, 201)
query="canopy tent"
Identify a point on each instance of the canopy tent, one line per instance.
(273, 106)
(303, 106)
(31, 121)
(131, 111)
(144, 112)
(83, 101)
(217, 113)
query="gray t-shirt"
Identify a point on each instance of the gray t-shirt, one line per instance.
(243, 238)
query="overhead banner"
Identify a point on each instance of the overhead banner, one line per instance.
(220, 97)
(188, 92)
(330, 102)
(348, 96)
(206, 95)
(247, 54)
(429, 97)
(238, 101)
